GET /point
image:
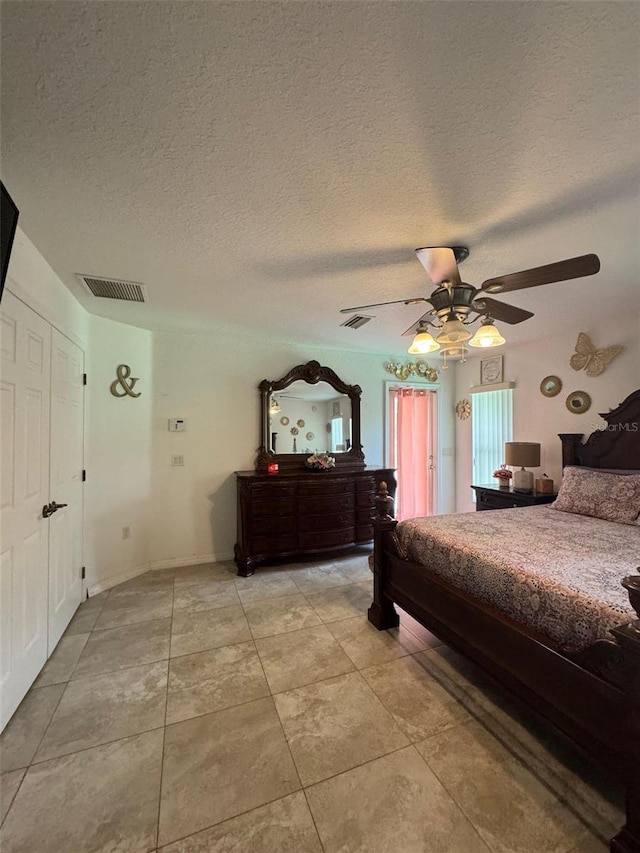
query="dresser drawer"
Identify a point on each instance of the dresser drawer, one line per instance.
(326, 539)
(326, 486)
(363, 516)
(273, 489)
(273, 506)
(273, 544)
(490, 500)
(364, 533)
(328, 521)
(364, 484)
(272, 525)
(319, 505)
(365, 499)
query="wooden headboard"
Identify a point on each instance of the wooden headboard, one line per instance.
(616, 445)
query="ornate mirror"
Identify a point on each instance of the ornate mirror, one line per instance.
(310, 410)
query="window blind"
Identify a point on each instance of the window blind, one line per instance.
(491, 426)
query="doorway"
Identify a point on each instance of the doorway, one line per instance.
(412, 447)
(41, 433)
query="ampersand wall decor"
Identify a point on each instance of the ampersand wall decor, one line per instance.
(127, 385)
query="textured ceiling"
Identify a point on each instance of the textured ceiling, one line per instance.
(261, 165)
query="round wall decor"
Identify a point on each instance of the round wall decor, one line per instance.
(550, 386)
(284, 420)
(578, 402)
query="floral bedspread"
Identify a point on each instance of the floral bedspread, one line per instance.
(556, 572)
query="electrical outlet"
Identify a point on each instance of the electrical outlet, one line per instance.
(177, 461)
(126, 532)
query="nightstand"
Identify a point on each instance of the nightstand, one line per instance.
(490, 497)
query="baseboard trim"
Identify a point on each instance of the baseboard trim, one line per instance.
(156, 565)
(114, 580)
(194, 560)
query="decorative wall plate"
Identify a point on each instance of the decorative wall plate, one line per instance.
(463, 409)
(310, 436)
(284, 420)
(578, 402)
(550, 386)
(294, 430)
(300, 423)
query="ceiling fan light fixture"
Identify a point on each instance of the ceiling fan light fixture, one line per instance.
(453, 332)
(423, 342)
(487, 335)
(454, 352)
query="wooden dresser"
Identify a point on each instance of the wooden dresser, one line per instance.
(299, 512)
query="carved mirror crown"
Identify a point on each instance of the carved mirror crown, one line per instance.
(326, 421)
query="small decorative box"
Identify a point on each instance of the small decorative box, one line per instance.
(544, 486)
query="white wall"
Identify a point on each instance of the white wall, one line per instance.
(538, 418)
(212, 382)
(118, 440)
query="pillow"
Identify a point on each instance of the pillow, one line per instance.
(613, 497)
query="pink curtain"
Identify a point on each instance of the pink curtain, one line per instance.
(412, 448)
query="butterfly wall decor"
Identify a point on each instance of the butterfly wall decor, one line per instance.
(592, 360)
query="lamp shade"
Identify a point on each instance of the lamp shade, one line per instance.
(423, 342)
(487, 336)
(523, 454)
(453, 332)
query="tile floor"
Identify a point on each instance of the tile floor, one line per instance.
(192, 711)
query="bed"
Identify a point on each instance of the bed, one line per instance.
(567, 644)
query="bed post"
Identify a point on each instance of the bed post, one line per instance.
(382, 613)
(571, 442)
(628, 637)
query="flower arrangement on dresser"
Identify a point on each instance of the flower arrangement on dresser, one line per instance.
(320, 462)
(503, 475)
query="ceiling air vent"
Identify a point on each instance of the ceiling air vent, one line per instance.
(112, 288)
(356, 321)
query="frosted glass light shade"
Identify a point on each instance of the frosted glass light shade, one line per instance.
(453, 332)
(487, 336)
(423, 342)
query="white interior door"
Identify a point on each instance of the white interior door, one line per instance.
(25, 341)
(65, 525)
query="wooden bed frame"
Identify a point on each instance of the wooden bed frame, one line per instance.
(593, 700)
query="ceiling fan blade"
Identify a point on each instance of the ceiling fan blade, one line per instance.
(560, 271)
(501, 310)
(440, 264)
(425, 320)
(413, 301)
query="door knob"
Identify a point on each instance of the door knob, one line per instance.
(49, 509)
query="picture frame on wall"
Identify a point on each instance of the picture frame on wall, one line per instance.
(491, 370)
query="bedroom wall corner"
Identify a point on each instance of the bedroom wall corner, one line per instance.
(540, 418)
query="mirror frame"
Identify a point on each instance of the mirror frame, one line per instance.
(311, 372)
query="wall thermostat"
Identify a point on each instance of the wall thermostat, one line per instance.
(177, 424)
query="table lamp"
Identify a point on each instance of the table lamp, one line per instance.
(522, 454)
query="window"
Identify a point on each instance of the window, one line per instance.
(491, 426)
(336, 434)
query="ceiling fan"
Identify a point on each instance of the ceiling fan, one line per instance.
(456, 304)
